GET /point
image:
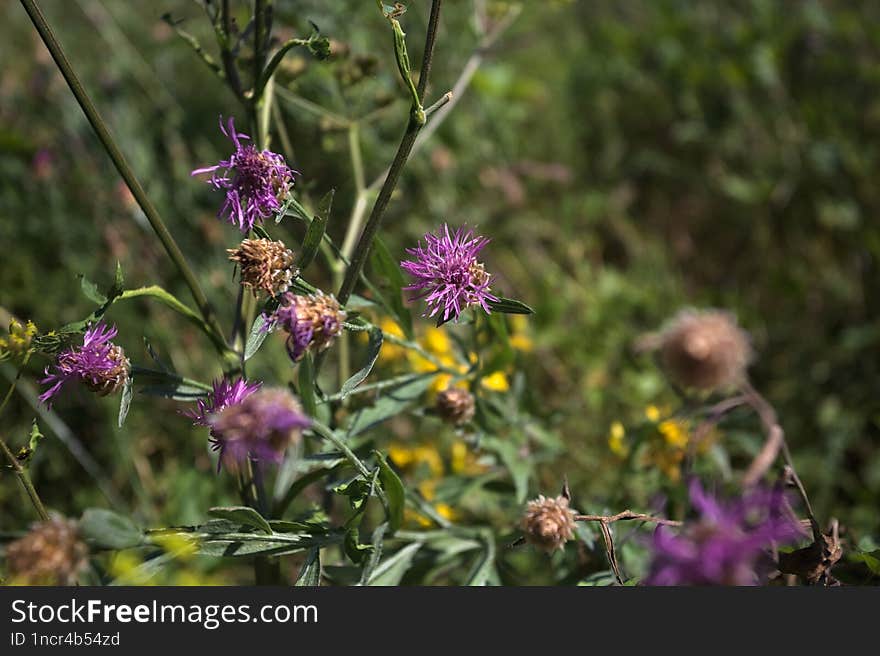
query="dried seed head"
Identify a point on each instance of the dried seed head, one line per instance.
(705, 350)
(52, 553)
(455, 405)
(548, 523)
(311, 321)
(265, 264)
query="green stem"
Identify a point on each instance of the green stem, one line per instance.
(100, 128)
(374, 221)
(363, 470)
(25, 479)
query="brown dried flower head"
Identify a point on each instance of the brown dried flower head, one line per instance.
(52, 553)
(548, 523)
(705, 350)
(455, 405)
(265, 265)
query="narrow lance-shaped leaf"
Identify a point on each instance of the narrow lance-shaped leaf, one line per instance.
(307, 385)
(384, 265)
(242, 515)
(510, 306)
(258, 334)
(393, 490)
(316, 230)
(373, 348)
(310, 574)
(125, 399)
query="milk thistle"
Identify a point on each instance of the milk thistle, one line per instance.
(256, 181)
(447, 274)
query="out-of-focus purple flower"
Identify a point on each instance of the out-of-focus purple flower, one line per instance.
(725, 546)
(99, 364)
(225, 393)
(447, 273)
(311, 321)
(256, 182)
(260, 427)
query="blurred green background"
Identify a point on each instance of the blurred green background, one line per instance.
(626, 158)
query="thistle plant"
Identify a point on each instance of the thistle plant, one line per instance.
(348, 432)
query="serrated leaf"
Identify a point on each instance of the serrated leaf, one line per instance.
(243, 515)
(107, 530)
(315, 233)
(385, 266)
(125, 399)
(90, 289)
(310, 574)
(373, 349)
(393, 490)
(257, 336)
(393, 402)
(510, 306)
(391, 570)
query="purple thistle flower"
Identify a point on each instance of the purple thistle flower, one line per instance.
(259, 182)
(99, 364)
(447, 273)
(225, 393)
(311, 321)
(259, 427)
(726, 544)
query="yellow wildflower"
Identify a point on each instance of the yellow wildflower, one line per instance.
(406, 457)
(616, 440)
(177, 545)
(675, 433)
(652, 412)
(446, 511)
(519, 338)
(17, 343)
(497, 382)
(464, 461)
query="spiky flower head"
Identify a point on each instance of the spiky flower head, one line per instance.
(99, 364)
(705, 350)
(260, 427)
(447, 274)
(311, 321)
(256, 182)
(51, 553)
(455, 405)
(548, 523)
(726, 544)
(225, 392)
(265, 265)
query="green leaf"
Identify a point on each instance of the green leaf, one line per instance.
(35, 436)
(393, 490)
(307, 385)
(257, 337)
(118, 283)
(125, 399)
(310, 574)
(107, 530)
(90, 289)
(354, 549)
(249, 544)
(392, 403)
(242, 515)
(316, 231)
(391, 570)
(510, 306)
(519, 467)
(484, 565)
(378, 542)
(260, 232)
(870, 558)
(392, 281)
(373, 348)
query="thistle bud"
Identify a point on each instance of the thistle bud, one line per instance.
(705, 350)
(455, 406)
(265, 265)
(52, 553)
(548, 523)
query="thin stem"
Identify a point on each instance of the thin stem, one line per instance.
(224, 37)
(371, 228)
(25, 479)
(626, 515)
(100, 128)
(325, 432)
